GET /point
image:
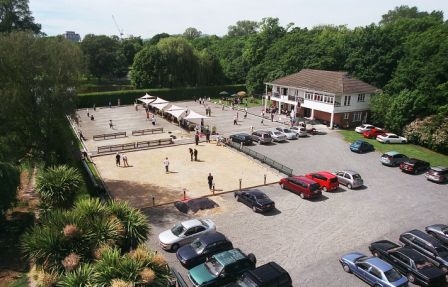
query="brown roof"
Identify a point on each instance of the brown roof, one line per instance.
(325, 81)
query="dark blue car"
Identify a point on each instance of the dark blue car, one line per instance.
(372, 270)
(361, 146)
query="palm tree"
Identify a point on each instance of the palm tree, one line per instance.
(135, 223)
(57, 186)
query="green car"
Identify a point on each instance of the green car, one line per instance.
(221, 268)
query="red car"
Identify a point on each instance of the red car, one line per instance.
(304, 187)
(371, 134)
(325, 179)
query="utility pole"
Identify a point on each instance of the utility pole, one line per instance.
(120, 31)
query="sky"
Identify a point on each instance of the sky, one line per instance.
(146, 18)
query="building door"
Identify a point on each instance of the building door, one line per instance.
(307, 112)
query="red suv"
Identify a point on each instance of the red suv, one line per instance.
(304, 187)
(325, 179)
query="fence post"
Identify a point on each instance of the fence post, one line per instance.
(265, 179)
(153, 201)
(240, 182)
(213, 189)
(185, 194)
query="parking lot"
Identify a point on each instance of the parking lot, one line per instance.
(308, 237)
(305, 237)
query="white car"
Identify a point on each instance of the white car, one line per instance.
(300, 131)
(290, 134)
(185, 232)
(364, 127)
(391, 138)
(277, 136)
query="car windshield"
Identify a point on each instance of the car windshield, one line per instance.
(314, 186)
(356, 176)
(246, 282)
(261, 196)
(198, 246)
(287, 131)
(442, 251)
(392, 275)
(178, 229)
(213, 266)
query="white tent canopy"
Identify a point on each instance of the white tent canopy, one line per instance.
(193, 115)
(160, 106)
(147, 98)
(146, 101)
(158, 101)
(173, 108)
(177, 113)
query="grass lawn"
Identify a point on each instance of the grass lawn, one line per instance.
(408, 149)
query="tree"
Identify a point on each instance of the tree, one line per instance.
(104, 57)
(405, 11)
(130, 47)
(192, 33)
(147, 70)
(38, 77)
(57, 186)
(9, 181)
(242, 28)
(15, 16)
(156, 38)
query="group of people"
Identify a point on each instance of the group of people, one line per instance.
(193, 154)
(119, 157)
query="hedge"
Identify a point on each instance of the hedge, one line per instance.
(128, 97)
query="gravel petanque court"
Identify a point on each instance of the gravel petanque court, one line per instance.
(145, 178)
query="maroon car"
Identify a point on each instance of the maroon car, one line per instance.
(304, 187)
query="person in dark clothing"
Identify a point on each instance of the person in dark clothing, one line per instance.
(195, 153)
(210, 181)
(117, 159)
(196, 138)
(191, 153)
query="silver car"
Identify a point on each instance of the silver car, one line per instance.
(349, 178)
(290, 134)
(185, 232)
(300, 131)
(439, 231)
(277, 136)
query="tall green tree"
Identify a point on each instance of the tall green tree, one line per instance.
(242, 28)
(9, 181)
(15, 15)
(129, 47)
(192, 33)
(39, 77)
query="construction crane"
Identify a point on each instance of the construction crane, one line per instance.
(120, 31)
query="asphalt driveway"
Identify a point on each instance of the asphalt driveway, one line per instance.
(308, 237)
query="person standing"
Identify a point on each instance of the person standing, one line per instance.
(235, 120)
(195, 153)
(125, 160)
(111, 124)
(117, 159)
(207, 135)
(272, 117)
(191, 153)
(153, 120)
(196, 138)
(210, 180)
(245, 112)
(166, 164)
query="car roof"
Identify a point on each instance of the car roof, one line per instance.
(411, 253)
(213, 237)
(255, 192)
(380, 264)
(191, 223)
(229, 256)
(348, 171)
(392, 153)
(324, 173)
(390, 134)
(241, 134)
(360, 141)
(424, 236)
(303, 178)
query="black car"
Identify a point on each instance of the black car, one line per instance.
(255, 199)
(409, 262)
(361, 146)
(267, 275)
(414, 165)
(246, 139)
(204, 246)
(428, 246)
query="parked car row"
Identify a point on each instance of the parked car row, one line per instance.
(279, 134)
(212, 260)
(381, 135)
(422, 259)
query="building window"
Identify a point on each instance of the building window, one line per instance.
(347, 100)
(357, 116)
(308, 96)
(346, 115)
(361, 97)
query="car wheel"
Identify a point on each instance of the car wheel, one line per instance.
(254, 208)
(387, 142)
(444, 269)
(346, 268)
(252, 258)
(403, 141)
(175, 247)
(282, 186)
(349, 186)
(324, 189)
(302, 196)
(238, 198)
(411, 278)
